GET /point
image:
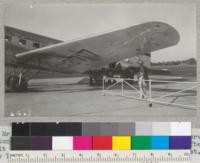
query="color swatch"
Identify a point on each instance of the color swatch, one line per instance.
(20, 129)
(82, 142)
(160, 142)
(102, 143)
(41, 143)
(62, 143)
(180, 129)
(20, 143)
(121, 142)
(140, 142)
(161, 128)
(180, 142)
(54, 129)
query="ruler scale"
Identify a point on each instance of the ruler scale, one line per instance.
(145, 156)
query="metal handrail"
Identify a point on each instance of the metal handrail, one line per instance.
(149, 97)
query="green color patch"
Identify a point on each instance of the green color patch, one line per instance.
(140, 142)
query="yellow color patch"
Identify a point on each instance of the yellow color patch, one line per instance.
(121, 142)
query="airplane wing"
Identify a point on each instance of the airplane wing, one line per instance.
(95, 52)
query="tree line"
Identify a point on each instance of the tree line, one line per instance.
(191, 61)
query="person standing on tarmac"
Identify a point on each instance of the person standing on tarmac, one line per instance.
(141, 80)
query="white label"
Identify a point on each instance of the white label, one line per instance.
(5, 134)
(195, 145)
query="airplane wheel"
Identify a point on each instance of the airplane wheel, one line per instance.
(23, 86)
(96, 82)
(13, 83)
(91, 81)
(109, 81)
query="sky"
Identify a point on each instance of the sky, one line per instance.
(71, 22)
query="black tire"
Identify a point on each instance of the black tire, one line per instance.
(91, 81)
(109, 82)
(13, 83)
(24, 85)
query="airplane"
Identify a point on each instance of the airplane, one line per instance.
(26, 52)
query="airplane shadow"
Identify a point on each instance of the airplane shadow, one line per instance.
(65, 88)
(70, 88)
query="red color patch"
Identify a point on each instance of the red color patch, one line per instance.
(102, 142)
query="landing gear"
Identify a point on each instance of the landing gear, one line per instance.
(91, 81)
(17, 83)
(95, 80)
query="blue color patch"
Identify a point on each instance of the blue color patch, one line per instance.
(160, 142)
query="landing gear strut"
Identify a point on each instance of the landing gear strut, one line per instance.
(19, 81)
(95, 79)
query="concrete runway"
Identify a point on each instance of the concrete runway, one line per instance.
(67, 97)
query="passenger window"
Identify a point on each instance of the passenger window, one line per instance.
(8, 38)
(36, 45)
(22, 42)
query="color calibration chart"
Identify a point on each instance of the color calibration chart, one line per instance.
(101, 142)
(101, 136)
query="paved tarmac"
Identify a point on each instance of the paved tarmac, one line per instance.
(67, 97)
